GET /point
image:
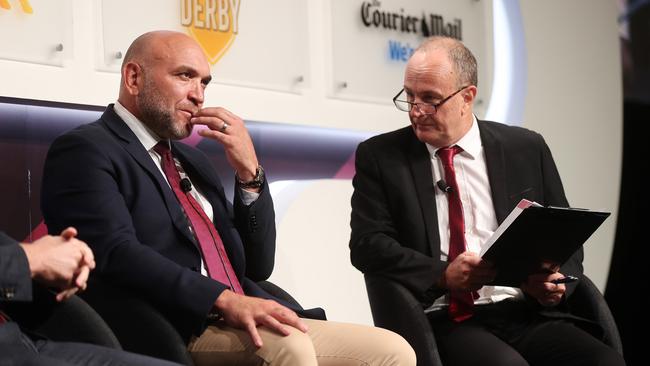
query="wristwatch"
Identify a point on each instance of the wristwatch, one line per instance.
(256, 182)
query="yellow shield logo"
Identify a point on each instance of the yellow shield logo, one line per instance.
(27, 7)
(214, 24)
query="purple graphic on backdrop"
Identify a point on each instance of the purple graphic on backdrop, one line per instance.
(288, 153)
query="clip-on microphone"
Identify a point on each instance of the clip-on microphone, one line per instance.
(186, 185)
(443, 186)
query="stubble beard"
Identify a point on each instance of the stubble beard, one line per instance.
(158, 117)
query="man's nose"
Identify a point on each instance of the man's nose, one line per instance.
(415, 111)
(196, 94)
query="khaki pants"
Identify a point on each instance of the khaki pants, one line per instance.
(325, 344)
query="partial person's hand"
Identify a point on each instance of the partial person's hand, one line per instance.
(63, 262)
(468, 272)
(538, 286)
(230, 131)
(247, 313)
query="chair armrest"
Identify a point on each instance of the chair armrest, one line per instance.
(395, 308)
(588, 302)
(74, 320)
(278, 292)
(139, 326)
(146, 331)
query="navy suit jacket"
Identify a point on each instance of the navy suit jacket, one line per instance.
(394, 221)
(15, 296)
(100, 179)
(15, 278)
(27, 303)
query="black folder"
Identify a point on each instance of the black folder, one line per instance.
(536, 234)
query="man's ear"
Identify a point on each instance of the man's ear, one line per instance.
(132, 77)
(468, 95)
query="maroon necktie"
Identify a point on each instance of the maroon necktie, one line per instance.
(214, 254)
(3, 318)
(461, 303)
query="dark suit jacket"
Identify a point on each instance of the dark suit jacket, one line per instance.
(15, 278)
(100, 179)
(394, 221)
(25, 302)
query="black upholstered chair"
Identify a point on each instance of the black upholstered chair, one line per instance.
(588, 302)
(395, 308)
(73, 320)
(145, 330)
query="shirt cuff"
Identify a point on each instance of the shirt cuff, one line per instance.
(248, 197)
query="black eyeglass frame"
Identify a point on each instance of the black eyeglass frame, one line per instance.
(434, 106)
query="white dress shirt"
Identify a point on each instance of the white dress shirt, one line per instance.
(478, 209)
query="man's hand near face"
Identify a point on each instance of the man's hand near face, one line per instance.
(225, 127)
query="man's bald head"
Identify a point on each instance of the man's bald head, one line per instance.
(154, 46)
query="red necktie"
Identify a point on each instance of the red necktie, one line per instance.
(3, 318)
(214, 253)
(461, 303)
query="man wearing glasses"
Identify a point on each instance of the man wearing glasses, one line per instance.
(427, 196)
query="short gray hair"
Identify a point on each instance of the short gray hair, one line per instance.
(460, 56)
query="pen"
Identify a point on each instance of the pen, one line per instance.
(565, 279)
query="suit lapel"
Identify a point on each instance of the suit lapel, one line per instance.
(420, 165)
(497, 172)
(133, 146)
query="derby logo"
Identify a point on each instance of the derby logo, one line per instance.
(214, 24)
(24, 4)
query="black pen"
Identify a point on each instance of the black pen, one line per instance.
(565, 279)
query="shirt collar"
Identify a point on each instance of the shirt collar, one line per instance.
(470, 142)
(147, 138)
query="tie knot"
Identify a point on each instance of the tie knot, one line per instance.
(162, 148)
(446, 154)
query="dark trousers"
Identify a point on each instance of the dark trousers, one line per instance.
(509, 334)
(16, 349)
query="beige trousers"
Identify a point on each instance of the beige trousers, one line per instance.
(325, 344)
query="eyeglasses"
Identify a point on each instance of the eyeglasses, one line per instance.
(424, 108)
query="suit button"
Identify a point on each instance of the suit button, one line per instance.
(8, 293)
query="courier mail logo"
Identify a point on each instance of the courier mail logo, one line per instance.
(24, 4)
(214, 24)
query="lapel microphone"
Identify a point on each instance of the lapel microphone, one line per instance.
(443, 186)
(186, 185)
